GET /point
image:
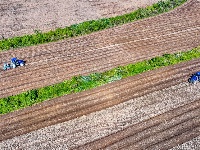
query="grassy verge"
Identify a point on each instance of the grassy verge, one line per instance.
(88, 26)
(81, 83)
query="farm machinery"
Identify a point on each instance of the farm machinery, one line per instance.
(194, 78)
(14, 62)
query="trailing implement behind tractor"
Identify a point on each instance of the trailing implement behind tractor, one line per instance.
(14, 62)
(194, 78)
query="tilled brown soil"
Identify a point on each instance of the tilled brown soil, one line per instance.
(97, 125)
(75, 105)
(54, 62)
(161, 132)
(19, 17)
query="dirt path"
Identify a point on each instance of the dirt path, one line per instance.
(163, 117)
(19, 17)
(75, 105)
(54, 62)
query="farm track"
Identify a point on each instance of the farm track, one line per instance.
(54, 62)
(75, 105)
(161, 132)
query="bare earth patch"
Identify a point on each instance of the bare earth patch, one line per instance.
(19, 17)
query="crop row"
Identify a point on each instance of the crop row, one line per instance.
(81, 83)
(88, 26)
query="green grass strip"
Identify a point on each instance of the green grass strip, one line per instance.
(88, 26)
(82, 83)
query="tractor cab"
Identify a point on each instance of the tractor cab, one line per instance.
(197, 73)
(194, 78)
(16, 62)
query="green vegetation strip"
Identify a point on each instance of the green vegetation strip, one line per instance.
(81, 83)
(88, 26)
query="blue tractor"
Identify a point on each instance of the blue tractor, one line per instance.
(194, 78)
(14, 63)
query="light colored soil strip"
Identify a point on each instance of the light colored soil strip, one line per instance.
(99, 124)
(19, 17)
(193, 144)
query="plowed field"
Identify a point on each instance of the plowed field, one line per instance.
(159, 121)
(54, 62)
(156, 118)
(180, 121)
(161, 132)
